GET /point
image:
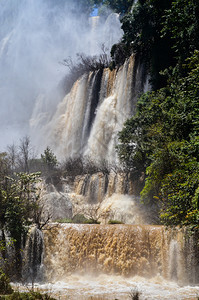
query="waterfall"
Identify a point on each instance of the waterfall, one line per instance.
(174, 260)
(110, 261)
(86, 122)
(129, 250)
(33, 256)
(34, 37)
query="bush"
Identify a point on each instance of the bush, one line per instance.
(65, 220)
(91, 221)
(115, 222)
(78, 219)
(135, 295)
(85, 165)
(84, 64)
(27, 296)
(119, 53)
(81, 219)
(5, 287)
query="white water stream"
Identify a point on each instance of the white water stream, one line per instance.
(106, 287)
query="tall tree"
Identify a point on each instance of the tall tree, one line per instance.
(25, 154)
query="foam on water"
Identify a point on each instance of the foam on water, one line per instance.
(77, 287)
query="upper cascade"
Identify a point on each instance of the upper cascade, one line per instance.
(87, 120)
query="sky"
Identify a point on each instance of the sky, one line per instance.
(94, 13)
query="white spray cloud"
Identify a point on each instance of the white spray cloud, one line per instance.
(35, 35)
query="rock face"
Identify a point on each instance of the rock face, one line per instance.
(56, 204)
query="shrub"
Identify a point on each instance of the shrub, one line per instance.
(91, 221)
(135, 295)
(79, 219)
(27, 296)
(5, 287)
(85, 64)
(115, 222)
(119, 53)
(65, 220)
(85, 165)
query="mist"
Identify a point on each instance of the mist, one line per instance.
(35, 36)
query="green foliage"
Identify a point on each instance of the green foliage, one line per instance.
(64, 220)
(162, 141)
(119, 52)
(91, 221)
(143, 36)
(19, 203)
(115, 222)
(5, 287)
(81, 219)
(162, 33)
(78, 219)
(181, 21)
(27, 296)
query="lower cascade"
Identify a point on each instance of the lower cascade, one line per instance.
(134, 254)
(103, 261)
(143, 250)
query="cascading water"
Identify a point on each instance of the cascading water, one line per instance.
(33, 260)
(123, 250)
(88, 119)
(107, 261)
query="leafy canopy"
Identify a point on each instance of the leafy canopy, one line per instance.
(162, 141)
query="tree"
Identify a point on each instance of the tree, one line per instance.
(25, 154)
(49, 159)
(21, 202)
(19, 206)
(89, 212)
(22, 157)
(4, 171)
(12, 153)
(5, 287)
(162, 34)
